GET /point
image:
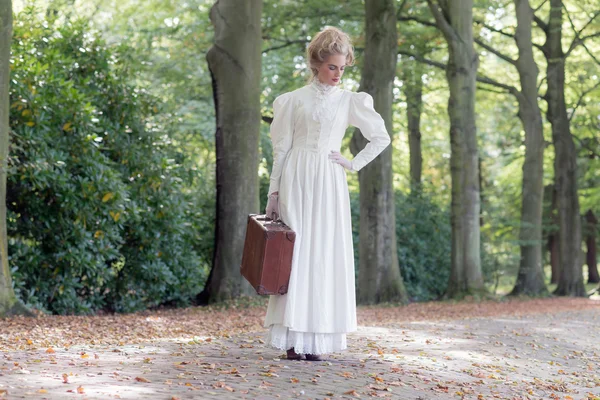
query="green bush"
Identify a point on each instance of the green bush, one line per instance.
(102, 214)
(423, 237)
(423, 234)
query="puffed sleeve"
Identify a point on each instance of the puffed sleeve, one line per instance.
(282, 132)
(363, 116)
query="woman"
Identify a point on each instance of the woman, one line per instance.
(309, 192)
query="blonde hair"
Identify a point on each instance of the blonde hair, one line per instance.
(330, 41)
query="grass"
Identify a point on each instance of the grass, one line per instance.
(506, 282)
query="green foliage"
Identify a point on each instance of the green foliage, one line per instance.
(59, 175)
(100, 211)
(423, 236)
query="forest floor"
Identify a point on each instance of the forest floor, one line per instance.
(518, 349)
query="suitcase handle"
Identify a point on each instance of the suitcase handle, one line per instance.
(266, 218)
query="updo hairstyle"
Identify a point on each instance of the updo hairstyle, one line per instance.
(330, 41)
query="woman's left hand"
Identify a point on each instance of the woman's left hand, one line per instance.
(338, 158)
(272, 210)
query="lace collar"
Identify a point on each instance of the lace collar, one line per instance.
(322, 88)
(323, 109)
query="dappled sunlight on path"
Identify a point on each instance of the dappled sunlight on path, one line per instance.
(489, 350)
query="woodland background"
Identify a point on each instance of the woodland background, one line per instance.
(126, 192)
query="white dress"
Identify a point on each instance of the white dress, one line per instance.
(319, 307)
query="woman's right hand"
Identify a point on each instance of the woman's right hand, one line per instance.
(272, 209)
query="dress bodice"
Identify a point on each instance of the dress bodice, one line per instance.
(315, 118)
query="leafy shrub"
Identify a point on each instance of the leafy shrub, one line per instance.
(423, 240)
(101, 210)
(423, 235)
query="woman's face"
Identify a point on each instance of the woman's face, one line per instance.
(332, 69)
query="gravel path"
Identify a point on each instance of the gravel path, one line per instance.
(537, 356)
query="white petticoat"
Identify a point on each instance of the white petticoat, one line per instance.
(280, 337)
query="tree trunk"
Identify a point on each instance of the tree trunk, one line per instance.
(552, 243)
(590, 240)
(570, 281)
(414, 105)
(379, 277)
(530, 280)
(8, 301)
(235, 64)
(481, 194)
(455, 20)
(554, 257)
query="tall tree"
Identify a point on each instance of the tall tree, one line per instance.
(379, 277)
(530, 279)
(570, 280)
(422, 39)
(552, 243)
(455, 20)
(235, 65)
(590, 240)
(8, 301)
(413, 90)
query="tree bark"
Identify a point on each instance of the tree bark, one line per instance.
(455, 20)
(379, 277)
(235, 65)
(414, 106)
(552, 239)
(9, 304)
(590, 240)
(554, 258)
(530, 279)
(570, 281)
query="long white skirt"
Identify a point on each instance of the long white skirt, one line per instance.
(320, 306)
(280, 337)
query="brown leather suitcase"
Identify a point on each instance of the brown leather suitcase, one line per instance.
(267, 258)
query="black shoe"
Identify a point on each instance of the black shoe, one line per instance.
(292, 355)
(313, 357)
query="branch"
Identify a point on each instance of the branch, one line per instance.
(480, 78)
(580, 41)
(585, 93)
(510, 89)
(590, 21)
(491, 28)
(487, 89)
(540, 6)
(503, 33)
(419, 20)
(400, 7)
(577, 40)
(585, 146)
(494, 51)
(442, 22)
(541, 83)
(590, 53)
(286, 44)
(423, 60)
(543, 26)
